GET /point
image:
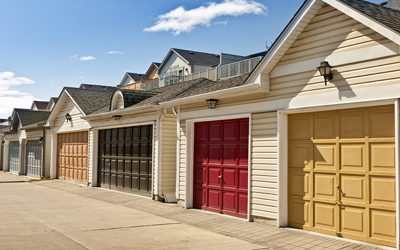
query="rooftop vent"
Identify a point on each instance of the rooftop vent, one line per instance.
(190, 52)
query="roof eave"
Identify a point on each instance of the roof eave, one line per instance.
(215, 94)
(120, 112)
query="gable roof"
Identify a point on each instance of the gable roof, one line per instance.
(385, 15)
(96, 87)
(89, 100)
(192, 57)
(153, 65)
(135, 76)
(28, 116)
(40, 104)
(202, 58)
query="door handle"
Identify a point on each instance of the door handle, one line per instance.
(336, 186)
(220, 176)
(338, 203)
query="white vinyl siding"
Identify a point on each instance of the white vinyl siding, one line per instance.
(168, 158)
(90, 156)
(36, 134)
(264, 165)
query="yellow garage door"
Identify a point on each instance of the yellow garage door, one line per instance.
(342, 173)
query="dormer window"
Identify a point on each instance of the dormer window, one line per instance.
(117, 101)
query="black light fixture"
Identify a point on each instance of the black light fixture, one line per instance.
(68, 117)
(212, 103)
(325, 71)
(116, 117)
(41, 140)
(2, 143)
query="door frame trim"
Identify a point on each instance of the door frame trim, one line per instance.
(190, 154)
(283, 123)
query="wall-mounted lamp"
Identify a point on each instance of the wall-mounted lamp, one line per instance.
(212, 103)
(325, 71)
(41, 140)
(116, 117)
(68, 117)
(3, 142)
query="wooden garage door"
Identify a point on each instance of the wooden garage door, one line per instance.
(33, 158)
(72, 156)
(342, 173)
(125, 159)
(221, 166)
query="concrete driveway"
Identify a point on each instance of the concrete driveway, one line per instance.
(37, 217)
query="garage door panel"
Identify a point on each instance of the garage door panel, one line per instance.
(201, 154)
(215, 132)
(300, 127)
(301, 155)
(382, 158)
(135, 149)
(144, 167)
(300, 184)
(325, 125)
(325, 216)
(144, 149)
(127, 182)
(243, 178)
(200, 173)
(135, 167)
(229, 175)
(243, 202)
(230, 154)
(383, 191)
(214, 154)
(229, 201)
(354, 220)
(128, 149)
(33, 158)
(201, 132)
(383, 225)
(214, 198)
(324, 156)
(382, 123)
(352, 157)
(352, 124)
(230, 131)
(244, 130)
(243, 155)
(353, 188)
(120, 149)
(213, 176)
(353, 183)
(299, 212)
(324, 186)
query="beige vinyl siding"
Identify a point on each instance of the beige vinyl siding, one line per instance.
(182, 161)
(47, 153)
(76, 121)
(264, 165)
(331, 32)
(168, 158)
(155, 156)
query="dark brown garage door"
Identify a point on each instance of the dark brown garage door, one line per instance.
(125, 159)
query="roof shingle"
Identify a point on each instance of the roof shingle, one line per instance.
(90, 100)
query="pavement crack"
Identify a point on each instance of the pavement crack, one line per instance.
(116, 228)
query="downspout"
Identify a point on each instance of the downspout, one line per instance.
(159, 158)
(177, 113)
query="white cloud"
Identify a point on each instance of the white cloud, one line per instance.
(220, 22)
(11, 98)
(87, 58)
(181, 20)
(114, 52)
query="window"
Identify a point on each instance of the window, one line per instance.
(174, 75)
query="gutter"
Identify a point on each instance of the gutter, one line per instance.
(120, 112)
(216, 94)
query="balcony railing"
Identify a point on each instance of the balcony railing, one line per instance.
(238, 68)
(149, 85)
(214, 74)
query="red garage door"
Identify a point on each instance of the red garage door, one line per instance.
(221, 166)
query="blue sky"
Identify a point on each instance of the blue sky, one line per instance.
(44, 43)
